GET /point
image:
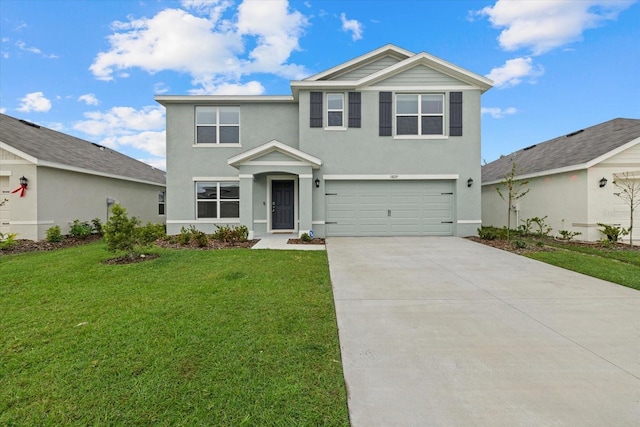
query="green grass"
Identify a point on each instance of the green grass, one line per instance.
(227, 337)
(617, 266)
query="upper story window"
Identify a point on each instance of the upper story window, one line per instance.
(217, 125)
(420, 114)
(218, 200)
(335, 109)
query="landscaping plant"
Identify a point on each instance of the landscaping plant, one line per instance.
(629, 186)
(81, 230)
(511, 190)
(54, 234)
(613, 233)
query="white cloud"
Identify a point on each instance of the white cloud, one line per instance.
(223, 88)
(34, 101)
(205, 46)
(89, 99)
(127, 127)
(353, 26)
(158, 163)
(514, 71)
(498, 113)
(3, 110)
(545, 25)
(23, 46)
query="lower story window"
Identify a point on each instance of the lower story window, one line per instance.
(218, 200)
(160, 202)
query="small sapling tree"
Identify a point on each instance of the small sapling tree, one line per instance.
(510, 190)
(629, 186)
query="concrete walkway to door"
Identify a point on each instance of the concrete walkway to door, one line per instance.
(442, 331)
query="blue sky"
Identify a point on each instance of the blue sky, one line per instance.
(92, 68)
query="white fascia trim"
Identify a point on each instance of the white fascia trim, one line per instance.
(433, 62)
(325, 84)
(566, 169)
(392, 177)
(215, 178)
(18, 153)
(271, 146)
(220, 99)
(386, 49)
(96, 173)
(274, 163)
(613, 152)
(469, 221)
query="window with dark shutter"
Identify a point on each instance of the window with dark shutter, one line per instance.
(386, 113)
(455, 114)
(354, 109)
(315, 109)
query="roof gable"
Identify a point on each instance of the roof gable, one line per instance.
(577, 150)
(46, 147)
(275, 152)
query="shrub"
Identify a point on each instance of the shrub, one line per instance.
(54, 234)
(525, 227)
(568, 235)
(120, 231)
(97, 226)
(492, 233)
(79, 229)
(612, 232)
(520, 244)
(225, 233)
(149, 233)
(192, 235)
(305, 237)
(7, 240)
(542, 228)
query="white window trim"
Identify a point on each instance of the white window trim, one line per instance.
(216, 201)
(343, 110)
(217, 125)
(444, 135)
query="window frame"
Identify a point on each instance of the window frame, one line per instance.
(420, 115)
(162, 202)
(218, 200)
(342, 111)
(217, 125)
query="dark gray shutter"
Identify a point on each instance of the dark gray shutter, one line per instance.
(386, 113)
(315, 109)
(455, 114)
(354, 109)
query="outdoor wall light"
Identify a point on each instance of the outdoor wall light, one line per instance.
(469, 182)
(317, 181)
(24, 182)
(603, 182)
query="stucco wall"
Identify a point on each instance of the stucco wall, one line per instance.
(259, 124)
(560, 197)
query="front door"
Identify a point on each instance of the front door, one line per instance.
(282, 201)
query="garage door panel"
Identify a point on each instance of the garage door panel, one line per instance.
(387, 208)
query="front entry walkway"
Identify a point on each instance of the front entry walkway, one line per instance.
(442, 331)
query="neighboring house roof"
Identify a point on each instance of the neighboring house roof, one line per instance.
(576, 150)
(47, 147)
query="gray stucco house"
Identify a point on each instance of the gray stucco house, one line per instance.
(68, 178)
(385, 144)
(570, 180)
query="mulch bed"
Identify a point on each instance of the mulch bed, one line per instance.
(211, 244)
(510, 247)
(22, 245)
(314, 241)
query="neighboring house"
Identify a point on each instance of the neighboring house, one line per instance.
(570, 180)
(385, 144)
(68, 179)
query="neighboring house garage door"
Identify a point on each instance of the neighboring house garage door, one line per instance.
(389, 208)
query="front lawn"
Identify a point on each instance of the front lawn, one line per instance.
(223, 337)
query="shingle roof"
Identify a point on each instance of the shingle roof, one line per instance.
(56, 148)
(576, 148)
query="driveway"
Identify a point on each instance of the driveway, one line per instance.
(442, 331)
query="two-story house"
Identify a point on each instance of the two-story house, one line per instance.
(386, 144)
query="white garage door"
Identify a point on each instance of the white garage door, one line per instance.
(389, 208)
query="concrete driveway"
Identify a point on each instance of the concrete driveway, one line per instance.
(442, 331)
